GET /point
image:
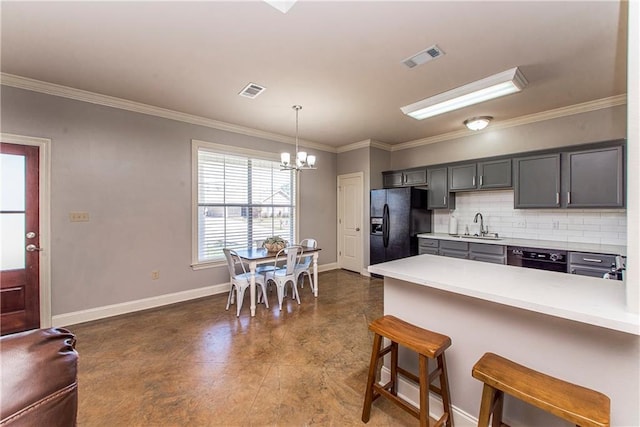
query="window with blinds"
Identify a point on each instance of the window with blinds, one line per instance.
(241, 199)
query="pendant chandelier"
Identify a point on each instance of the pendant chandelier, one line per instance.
(302, 159)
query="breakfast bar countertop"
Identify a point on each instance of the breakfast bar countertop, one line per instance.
(582, 299)
(532, 243)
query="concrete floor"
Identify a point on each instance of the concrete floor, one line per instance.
(195, 364)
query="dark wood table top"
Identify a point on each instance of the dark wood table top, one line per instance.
(257, 254)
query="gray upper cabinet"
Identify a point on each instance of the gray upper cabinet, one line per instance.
(462, 177)
(537, 181)
(494, 174)
(438, 195)
(491, 174)
(392, 179)
(406, 178)
(594, 178)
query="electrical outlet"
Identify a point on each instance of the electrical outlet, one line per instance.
(521, 224)
(556, 225)
(155, 275)
(79, 216)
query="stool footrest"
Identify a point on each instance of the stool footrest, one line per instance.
(398, 401)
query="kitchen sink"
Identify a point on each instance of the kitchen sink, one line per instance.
(489, 237)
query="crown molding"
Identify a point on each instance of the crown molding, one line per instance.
(138, 107)
(364, 144)
(584, 107)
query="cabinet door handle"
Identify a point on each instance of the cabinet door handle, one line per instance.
(481, 180)
(568, 197)
(444, 200)
(557, 198)
(473, 182)
(591, 260)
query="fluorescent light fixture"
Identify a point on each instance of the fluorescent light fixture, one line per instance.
(478, 123)
(501, 84)
(282, 5)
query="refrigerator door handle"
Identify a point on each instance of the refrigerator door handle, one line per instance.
(385, 225)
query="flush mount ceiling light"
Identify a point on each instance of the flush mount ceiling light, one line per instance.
(478, 123)
(491, 87)
(282, 5)
(302, 160)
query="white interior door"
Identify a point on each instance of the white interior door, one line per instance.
(350, 229)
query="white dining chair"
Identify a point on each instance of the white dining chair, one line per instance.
(241, 281)
(281, 276)
(303, 266)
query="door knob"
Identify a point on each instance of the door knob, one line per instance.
(357, 228)
(33, 248)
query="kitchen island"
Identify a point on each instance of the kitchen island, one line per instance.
(573, 327)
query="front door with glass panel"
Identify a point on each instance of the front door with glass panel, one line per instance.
(20, 238)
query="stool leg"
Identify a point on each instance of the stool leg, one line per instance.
(394, 368)
(444, 389)
(496, 420)
(486, 405)
(424, 390)
(373, 365)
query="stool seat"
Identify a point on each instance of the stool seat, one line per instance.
(420, 340)
(574, 403)
(428, 345)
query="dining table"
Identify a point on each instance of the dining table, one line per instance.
(257, 256)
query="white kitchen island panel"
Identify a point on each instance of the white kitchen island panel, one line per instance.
(482, 310)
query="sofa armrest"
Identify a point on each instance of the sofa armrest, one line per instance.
(39, 378)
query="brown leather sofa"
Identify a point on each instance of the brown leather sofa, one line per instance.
(39, 378)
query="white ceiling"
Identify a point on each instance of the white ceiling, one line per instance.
(342, 61)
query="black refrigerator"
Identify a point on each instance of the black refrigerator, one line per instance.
(397, 216)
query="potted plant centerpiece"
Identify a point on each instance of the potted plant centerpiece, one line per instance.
(274, 243)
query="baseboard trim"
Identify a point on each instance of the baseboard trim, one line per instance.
(410, 392)
(98, 313)
(328, 267)
(137, 305)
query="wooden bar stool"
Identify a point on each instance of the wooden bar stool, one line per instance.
(576, 404)
(428, 345)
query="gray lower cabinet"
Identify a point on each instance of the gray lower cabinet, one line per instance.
(496, 254)
(428, 246)
(594, 178)
(537, 181)
(438, 196)
(590, 264)
(455, 249)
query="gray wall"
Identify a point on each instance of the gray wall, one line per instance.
(372, 161)
(600, 125)
(132, 173)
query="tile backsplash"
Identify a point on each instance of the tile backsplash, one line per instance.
(603, 226)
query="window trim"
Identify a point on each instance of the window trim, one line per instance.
(196, 146)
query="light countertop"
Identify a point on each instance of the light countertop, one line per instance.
(531, 243)
(583, 299)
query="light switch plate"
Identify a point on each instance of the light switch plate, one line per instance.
(79, 216)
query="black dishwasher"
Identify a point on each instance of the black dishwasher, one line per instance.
(540, 259)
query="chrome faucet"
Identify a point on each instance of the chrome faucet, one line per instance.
(483, 231)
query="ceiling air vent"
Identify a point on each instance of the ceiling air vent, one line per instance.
(426, 55)
(252, 90)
